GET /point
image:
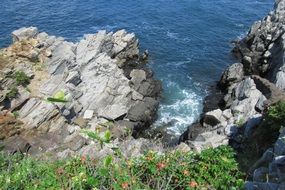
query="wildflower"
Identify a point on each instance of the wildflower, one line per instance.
(125, 185)
(83, 159)
(160, 166)
(193, 184)
(149, 158)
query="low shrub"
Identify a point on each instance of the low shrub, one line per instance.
(213, 168)
(276, 113)
(21, 78)
(12, 93)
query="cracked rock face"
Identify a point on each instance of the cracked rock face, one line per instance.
(102, 78)
(262, 50)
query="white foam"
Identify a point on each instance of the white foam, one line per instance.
(181, 113)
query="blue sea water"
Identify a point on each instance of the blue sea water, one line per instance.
(188, 40)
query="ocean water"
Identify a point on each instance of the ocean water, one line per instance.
(188, 40)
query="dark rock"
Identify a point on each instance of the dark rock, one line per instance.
(232, 75)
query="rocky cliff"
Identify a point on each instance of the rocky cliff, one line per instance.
(248, 88)
(51, 89)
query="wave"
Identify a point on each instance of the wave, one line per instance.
(181, 112)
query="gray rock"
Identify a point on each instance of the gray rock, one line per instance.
(62, 59)
(143, 110)
(213, 118)
(183, 147)
(227, 114)
(263, 186)
(231, 130)
(280, 79)
(232, 75)
(260, 174)
(261, 103)
(73, 77)
(88, 114)
(24, 33)
(251, 123)
(65, 154)
(279, 147)
(75, 142)
(138, 76)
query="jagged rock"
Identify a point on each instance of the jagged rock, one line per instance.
(17, 144)
(143, 110)
(75, 142)
(213, 118)
(227, 114)
(252, 122)
(102, 78)
(183, 147)
(137, 147)
(65, 154)
(73, 77)
(88, 114)
(260, 174)
(231, 130)
(62, 59)
(24, 33)
(137, 76)
(232, 75)
(263, 186)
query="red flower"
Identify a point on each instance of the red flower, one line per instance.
(125, 185)
(83, 159)
(193, 184)
(160, 166)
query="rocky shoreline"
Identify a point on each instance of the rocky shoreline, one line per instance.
(245, 90)
(51, 89)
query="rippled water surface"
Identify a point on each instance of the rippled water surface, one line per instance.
(188, 40)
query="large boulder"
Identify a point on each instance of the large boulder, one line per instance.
(24, 33)
(232, 75)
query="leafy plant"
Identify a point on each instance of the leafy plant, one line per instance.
(16, 114)
(21, 78)
(276, 113)
(240, 122)
(105, 138)
(212, 169)
(13, 92)
(58, 97)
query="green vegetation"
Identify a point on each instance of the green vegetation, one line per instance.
(174, 170)
(21, 78)
(264, 136)
(12, 93)
(276, 113)
(240, 122)
(16, 114)
(59, 97)
(104, 138)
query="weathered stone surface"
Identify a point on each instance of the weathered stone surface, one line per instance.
(252, 122)
(74, 78)
(88, 114)
(231, 130)
(24, 33)
(213, 118)
(232, 75)
(101, 79)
